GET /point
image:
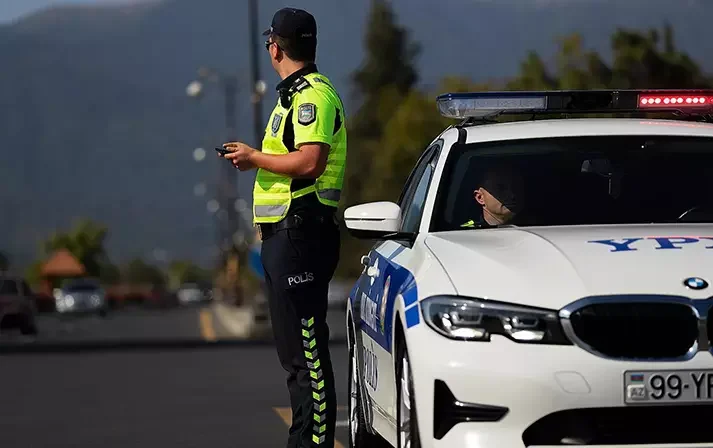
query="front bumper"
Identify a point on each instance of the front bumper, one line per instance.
(534, 381)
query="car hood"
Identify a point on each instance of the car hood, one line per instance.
(554, 266)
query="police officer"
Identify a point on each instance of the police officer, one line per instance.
(297, 190)
(499, 196)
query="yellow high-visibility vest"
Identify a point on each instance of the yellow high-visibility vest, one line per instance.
(316, 114)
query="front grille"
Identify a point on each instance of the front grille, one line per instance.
(636, 330)
(623, 426)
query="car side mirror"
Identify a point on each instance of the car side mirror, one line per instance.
(374, 221)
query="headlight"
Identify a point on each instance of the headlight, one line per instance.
(65, 302)
(469, 319)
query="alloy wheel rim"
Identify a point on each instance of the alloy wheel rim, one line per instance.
(405, 406)
(354, 417)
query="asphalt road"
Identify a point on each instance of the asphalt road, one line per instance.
(212, 395)
(137, 325)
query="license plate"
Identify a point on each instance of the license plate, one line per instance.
(668, 386)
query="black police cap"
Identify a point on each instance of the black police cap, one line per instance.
(292, 23)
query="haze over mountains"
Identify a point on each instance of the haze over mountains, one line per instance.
(94, 120)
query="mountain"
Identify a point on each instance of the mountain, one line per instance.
(94, 119)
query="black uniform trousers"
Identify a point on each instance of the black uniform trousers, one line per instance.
(299, 263)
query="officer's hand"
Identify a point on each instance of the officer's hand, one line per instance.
(239, 152)
(244, 166)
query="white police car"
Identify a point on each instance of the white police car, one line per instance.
(583, 321)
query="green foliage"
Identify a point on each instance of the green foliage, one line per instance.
(385, 77)
(85, 241)
(397, 122)
(640, 61)
(181, 271)
(109, 273)
(138, 272)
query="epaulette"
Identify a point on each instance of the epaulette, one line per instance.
(286, 95)
(300, 84)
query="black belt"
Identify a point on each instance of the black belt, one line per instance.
(296, 222)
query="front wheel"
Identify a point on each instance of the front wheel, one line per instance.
(359, 436)
(406, 420)
(28, 327)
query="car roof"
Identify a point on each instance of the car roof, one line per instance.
(578, 127)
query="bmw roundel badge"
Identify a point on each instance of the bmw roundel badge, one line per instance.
(696, 283)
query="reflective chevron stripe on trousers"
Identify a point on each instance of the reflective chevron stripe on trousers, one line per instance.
(299, 264)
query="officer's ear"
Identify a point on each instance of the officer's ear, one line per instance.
(276, 52)
(479, 196)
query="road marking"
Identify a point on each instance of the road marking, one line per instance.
(206, 323)
(286, 416)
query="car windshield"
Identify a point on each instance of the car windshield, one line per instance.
(80, 287)
(580, 180)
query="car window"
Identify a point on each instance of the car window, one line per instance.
(581, 181)
(416, 196)
(412, 180)
(81, 287)
(8, 288)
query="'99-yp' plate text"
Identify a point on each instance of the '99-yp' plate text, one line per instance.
(672, 387)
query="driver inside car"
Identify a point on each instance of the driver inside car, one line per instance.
(499, 198)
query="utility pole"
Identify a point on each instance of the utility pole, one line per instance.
(228, 190)
(257, 84)
(226, 215)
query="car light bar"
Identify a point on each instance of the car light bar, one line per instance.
(675, 101)
(484, 104)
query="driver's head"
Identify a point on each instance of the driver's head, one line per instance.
(501, 194)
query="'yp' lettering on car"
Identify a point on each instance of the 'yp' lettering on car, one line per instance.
(661, 242)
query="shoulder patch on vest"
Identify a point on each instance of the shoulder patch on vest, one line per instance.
(276, 121)
(301, 84)
(306, 114)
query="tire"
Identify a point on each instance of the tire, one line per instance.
(407, 435)
(28, 328)
(359, 436)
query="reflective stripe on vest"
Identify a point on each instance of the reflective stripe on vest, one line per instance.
(272, 193)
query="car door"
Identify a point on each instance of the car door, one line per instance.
(382, 278)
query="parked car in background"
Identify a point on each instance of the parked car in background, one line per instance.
(190, 293)
(81, 296)
(17, 306)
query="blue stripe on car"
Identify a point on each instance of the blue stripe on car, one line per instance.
(402, 282)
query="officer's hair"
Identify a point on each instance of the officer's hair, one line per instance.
(306, 52)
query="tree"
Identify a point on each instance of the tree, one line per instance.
(395, 124)
(109, 273)
(385, 77)
(85, 241)
(138, 272)
(640, 61)
(181, 271)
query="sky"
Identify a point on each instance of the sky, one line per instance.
(13, 9)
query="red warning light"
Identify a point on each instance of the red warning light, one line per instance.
(674, 101)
